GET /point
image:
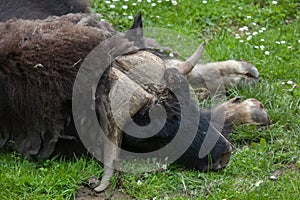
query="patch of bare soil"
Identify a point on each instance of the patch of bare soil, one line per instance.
(86, 193)
(278, 172)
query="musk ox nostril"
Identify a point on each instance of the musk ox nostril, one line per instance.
(222, 161)
(224, 158)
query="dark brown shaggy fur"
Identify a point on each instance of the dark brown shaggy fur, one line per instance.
(38, 85)
(40, 9)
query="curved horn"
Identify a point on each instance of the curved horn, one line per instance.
(189, 64)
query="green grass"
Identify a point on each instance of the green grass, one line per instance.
(258, 152)
(51, 179)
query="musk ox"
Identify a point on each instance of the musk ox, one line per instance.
(39, 62)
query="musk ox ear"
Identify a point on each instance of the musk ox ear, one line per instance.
(138, 22)
(135, 33)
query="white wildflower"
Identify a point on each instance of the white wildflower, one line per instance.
(174, 3)
(282, 83)
(139, 182)
(254, 33)
(282, 42)
(125, 7)
(249, 37)
(267, 53)
(241, 41)
(289, 47)
(262, 47)
(274, 2)
(244, 28)
(205, 2)
(298, 41)
(253, 23)
(248, 17)
(171, 55)
(133, 4)
(149, 1)
(164, 167)
(273, 177)
(125, 0)
(159, 1)
(263, 28)
(248, 33)
(262, 40)
(157, 16)
(257, 184)
(260, 31)
(256, 47)
(108, 2)
(112, 6)
(290, 82)
(153, 4)
(139, 1)
(130, 17)
(277, 42)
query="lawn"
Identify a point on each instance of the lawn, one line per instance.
(265, 163)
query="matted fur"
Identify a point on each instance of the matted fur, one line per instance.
(40, 9)
(38, 65)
